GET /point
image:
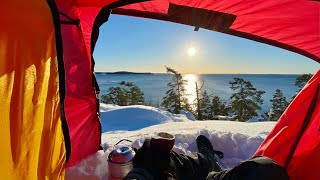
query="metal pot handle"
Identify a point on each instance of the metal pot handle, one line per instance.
(121, 141)
(111, 153)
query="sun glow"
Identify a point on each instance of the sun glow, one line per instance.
(191, 87)
(191, 51)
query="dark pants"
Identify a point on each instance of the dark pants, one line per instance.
(260, 168)
(196, 167)
(192, 166)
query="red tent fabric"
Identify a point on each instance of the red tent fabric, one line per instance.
(289, 24)
(295, 140)
(80, 102)
(81, 105)
(56, 95)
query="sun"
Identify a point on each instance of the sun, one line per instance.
(191, 51)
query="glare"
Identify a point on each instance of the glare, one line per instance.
(191, 87)
(191, 51)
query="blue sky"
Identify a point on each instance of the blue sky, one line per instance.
(145, 45)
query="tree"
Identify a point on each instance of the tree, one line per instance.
(203, 105)
(301, 81)
(207, 108)
(116, 95)
(278, 106)
(246, 100)
(218, 107)
(135, 96)
(175, 98)
(127, 94)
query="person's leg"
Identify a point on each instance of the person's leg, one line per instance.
(162, 165)
(205, 147)
(191, 166)
(180, 167)
(256, 168)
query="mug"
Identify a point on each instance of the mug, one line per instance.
(163, 141)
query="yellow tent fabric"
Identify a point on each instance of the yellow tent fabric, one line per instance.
(31, 135)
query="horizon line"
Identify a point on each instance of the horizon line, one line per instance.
(133, 72)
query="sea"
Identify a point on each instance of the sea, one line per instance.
(154, 86)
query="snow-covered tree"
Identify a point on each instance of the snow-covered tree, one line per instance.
(278, 105)
(175, 99)
(246, 100)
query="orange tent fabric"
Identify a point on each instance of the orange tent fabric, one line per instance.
(31, 135)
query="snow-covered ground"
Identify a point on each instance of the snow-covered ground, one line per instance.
(135, 117)
(238, 140)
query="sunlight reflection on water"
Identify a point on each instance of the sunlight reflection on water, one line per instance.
(190, 87)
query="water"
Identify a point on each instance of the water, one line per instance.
(154, 86)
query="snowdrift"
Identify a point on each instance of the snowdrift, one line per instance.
(237, 140)
(136, 117)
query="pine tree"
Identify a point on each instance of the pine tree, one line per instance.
(204, 105)
(218, 107)
(116, 95)
(202, 102)
(246, 100)
(301, 81)
(135, 96)
(207, 109)
(127, 94)
(175, 99)
(198, 101)
(278, 106)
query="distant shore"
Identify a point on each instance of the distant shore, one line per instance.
(150, 73)
(123, 72)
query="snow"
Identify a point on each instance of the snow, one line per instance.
(230, 118)
(189, 115)
(136, 117)
(238, 140)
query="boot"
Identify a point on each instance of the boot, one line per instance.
(205, 147)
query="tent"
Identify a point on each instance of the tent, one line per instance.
(48, 92)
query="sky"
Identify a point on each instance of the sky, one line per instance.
(146, 45)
